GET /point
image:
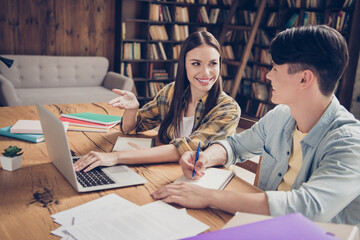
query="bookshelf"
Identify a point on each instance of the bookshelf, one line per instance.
(149, 34)
(249, 86)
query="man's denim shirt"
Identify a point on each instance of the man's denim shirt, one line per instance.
(327, 188)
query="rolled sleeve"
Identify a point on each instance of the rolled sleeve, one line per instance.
(229, 152)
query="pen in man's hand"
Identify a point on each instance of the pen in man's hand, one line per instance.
(196, 158)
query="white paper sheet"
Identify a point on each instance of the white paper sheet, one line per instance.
(156, 220)
(91, 211)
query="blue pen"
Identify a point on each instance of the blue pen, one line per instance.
(196, 158)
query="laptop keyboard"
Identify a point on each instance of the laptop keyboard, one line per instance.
(95, 177)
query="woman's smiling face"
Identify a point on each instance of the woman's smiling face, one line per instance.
(202, 68)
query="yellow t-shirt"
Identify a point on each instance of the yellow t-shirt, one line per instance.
(295, 161)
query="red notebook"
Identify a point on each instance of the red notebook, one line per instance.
(76, 122)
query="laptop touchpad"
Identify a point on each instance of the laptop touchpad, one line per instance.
(116, 169)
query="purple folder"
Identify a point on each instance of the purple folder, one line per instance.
(293, 226)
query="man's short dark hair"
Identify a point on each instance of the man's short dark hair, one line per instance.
(321, 49)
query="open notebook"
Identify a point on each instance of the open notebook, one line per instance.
(214, 178)
(133, 143)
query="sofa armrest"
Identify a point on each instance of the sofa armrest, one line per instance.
(8, 96)
(116, 80)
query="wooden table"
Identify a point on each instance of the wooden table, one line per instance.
(29, 195)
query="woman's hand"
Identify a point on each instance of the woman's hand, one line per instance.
(187, 164)
(185, 194)
(95, 159)
(126, 100)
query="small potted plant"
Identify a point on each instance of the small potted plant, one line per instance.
(11, 158)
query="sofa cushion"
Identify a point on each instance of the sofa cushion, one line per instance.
(64, 95)
(30, 71)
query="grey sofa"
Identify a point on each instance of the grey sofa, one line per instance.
(58, 79)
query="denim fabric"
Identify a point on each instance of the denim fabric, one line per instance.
(327, 188)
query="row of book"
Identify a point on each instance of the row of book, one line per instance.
(158, 32)
(125, 69)
(228, 52)
(157, 51)
(339, 20)
(30, 130)
(212, 17)
(316, 3)
(154, 88)
(254, 73)
(211, 2)
(132, 50)
(181, 32)
(160, 13)
(182, 14)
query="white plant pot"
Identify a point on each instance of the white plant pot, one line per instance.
(10, 164)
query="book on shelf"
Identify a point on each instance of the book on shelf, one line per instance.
(227, 2)
(176, 33)
(160, 74)
(261, 91)
(29, 126)
(203, 15)
(262, 38)
(176, 51)
(246, 88)
(128, 70)
(155, 87)
(94, 117)
(227, 84)
(271, 20)
(181, 14)
(214, 178)
(154, 12)
(158, 32)
(123, 30)
(82, 123)
(175, 69)
(224, 70)
(162, 51)
(249, 17)
(293, 21)
(35, 138)
(214, 14)
(228, 52)
(166, 13)
(265, 56)
(133, 143)
(184, 32)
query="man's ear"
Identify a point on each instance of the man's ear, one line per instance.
(308, 79)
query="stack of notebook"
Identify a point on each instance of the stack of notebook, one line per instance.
(90, 122)
(28, 130)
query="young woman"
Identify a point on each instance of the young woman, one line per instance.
(190, 110)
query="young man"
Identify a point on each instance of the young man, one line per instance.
(309, 143)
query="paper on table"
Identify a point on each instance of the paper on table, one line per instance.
(156, 220)
(92, 211)
(214, 178)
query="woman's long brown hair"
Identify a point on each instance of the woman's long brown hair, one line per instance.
(174, 115)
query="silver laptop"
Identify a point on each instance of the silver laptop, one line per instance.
(59, 152)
